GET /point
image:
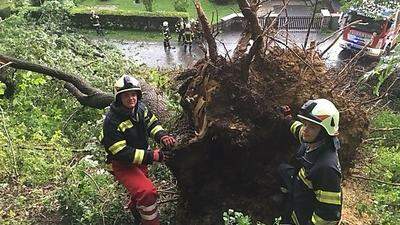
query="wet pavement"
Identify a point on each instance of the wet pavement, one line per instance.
(153, 55)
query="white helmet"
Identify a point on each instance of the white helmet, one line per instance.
(322, 112)
(127, 83)
(187, 26)
(165, 23)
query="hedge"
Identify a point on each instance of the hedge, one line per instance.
(119, 19)
(118, 12)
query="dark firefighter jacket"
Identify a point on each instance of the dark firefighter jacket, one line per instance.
(126, 133)
(167, 34)
(317, 195)
(188, 36)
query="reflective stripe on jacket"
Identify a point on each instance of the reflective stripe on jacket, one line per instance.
(126, 133)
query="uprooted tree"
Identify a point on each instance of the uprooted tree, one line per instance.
(231, 137)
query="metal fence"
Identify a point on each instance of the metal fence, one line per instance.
(294, 22)
(321, 20)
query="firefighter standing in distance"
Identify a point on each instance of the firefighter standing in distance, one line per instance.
(188, 37)
(198, 30)
(126, 129)
(180, 29)
(96, 23)
(167, 35)
(312, 191)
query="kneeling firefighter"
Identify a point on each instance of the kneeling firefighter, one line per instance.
(312, 191)
(126, 129)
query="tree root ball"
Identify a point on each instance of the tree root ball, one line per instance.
(232, 137)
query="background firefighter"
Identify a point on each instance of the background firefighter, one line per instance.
(167, 35)
(180, 29)
(312, 191)
(188, 37)
(126, 129)
(96, 23)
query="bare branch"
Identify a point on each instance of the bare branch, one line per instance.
(226, 50)
(336, 39)
(276, 18)
(212, 46)
(376, 180)
(4, 65)
(286, 23)
(340, 76)
(310, 25)
(168, 200)
(385, 129)
(75, 80)
(10, 144)
(339, 31)
(250, 16)
(291, 50)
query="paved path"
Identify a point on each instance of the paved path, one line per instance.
(153, 54)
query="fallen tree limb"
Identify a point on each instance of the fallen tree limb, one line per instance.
(88, 95)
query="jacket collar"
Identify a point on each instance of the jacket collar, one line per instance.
(123, 112)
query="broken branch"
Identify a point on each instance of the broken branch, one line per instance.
(212, 46)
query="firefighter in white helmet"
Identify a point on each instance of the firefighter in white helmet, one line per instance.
(167, 35)
(312, 191)
(188, 37)
(126, 129)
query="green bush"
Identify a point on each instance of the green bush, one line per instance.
(223, 2)
(116, 12)
(385, 151)
(45, 132)
(90, 196)
(181, 5)
(148, 4)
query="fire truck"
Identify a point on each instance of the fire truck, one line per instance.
(378, 28)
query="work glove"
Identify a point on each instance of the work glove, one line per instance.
(158, 155)
(162, 155)
(286, 112)
(168, 154)
(168, 141)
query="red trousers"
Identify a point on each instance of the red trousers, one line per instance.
(141, 189)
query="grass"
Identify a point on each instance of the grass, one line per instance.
(162, 5)
(129, 35)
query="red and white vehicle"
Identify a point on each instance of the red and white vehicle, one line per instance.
(379, 30)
